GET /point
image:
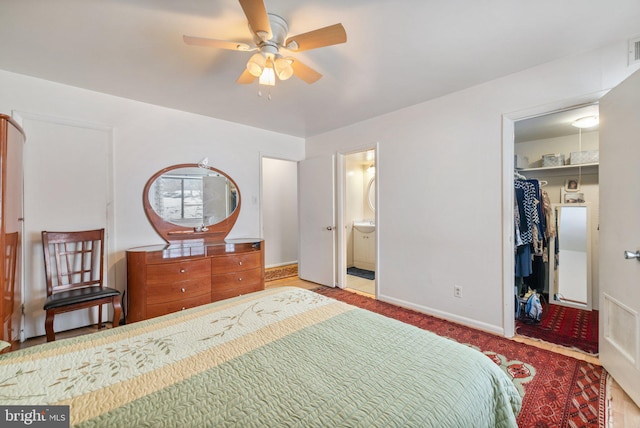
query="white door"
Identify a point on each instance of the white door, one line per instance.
(67, 187)
(620, 231)
(316, 217)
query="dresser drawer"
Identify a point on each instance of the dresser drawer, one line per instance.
(163, 293)
(168, 273)
(178, 281)
(236, 283)
(159, 309)
(236, 262)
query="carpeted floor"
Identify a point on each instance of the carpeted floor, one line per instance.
(559, 391)
(562, 325)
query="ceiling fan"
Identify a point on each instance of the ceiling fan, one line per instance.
(270, 36)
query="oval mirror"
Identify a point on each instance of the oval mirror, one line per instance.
(371, 193)
(191, 202)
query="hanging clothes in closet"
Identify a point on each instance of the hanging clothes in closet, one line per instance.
(532, 229)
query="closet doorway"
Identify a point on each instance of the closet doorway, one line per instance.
(279, 216)
(556, 239)
(360, 227)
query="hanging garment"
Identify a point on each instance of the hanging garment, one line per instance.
(550, 230)
(523, 261)
(528, 205)
(533, 309)
(536, 281)
(539, 207)
(517, 217)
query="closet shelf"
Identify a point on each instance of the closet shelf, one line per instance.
(564, 168)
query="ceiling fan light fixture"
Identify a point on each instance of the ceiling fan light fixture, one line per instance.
(268, 76)
(283, 68)
(256, 64)
(269, 33)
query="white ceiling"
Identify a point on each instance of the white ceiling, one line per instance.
(398, 53)
(555, 124)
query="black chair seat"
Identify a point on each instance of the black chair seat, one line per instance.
(79, 295)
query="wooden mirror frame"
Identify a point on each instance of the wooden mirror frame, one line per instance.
(173, 233)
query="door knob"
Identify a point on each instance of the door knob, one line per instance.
(632, 255)
(330, 228)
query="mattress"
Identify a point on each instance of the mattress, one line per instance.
(278, 357)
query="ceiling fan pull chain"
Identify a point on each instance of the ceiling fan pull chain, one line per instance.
(268, 93)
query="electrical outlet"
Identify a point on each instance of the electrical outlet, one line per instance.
(457, 291)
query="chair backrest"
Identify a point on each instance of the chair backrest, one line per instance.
(73, 259)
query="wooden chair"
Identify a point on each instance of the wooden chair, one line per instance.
(74, 268)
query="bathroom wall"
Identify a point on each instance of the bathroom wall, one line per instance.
(354, 195)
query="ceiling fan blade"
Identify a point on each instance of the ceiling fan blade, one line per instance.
(256, 14)
(327, 36)
(304, 72)
(246, 78)
(212, 43)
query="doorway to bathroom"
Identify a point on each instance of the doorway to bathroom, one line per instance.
(360, 221)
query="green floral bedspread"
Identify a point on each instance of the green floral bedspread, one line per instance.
(283, 357)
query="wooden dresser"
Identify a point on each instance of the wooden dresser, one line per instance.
(168, 278)
(193, 207)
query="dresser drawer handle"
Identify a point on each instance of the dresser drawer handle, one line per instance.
(240, 263)
(183, 308)
(240, 279)
(182, 270)
(183, 290)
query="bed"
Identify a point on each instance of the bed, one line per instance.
(279, 357)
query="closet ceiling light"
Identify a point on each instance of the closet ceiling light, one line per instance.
(586, 122)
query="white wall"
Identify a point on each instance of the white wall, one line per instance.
(148, 138)
(354, 199)
(439, 169)
(280, 211)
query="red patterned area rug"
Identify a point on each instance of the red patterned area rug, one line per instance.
(562, 325)
(558, 391)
